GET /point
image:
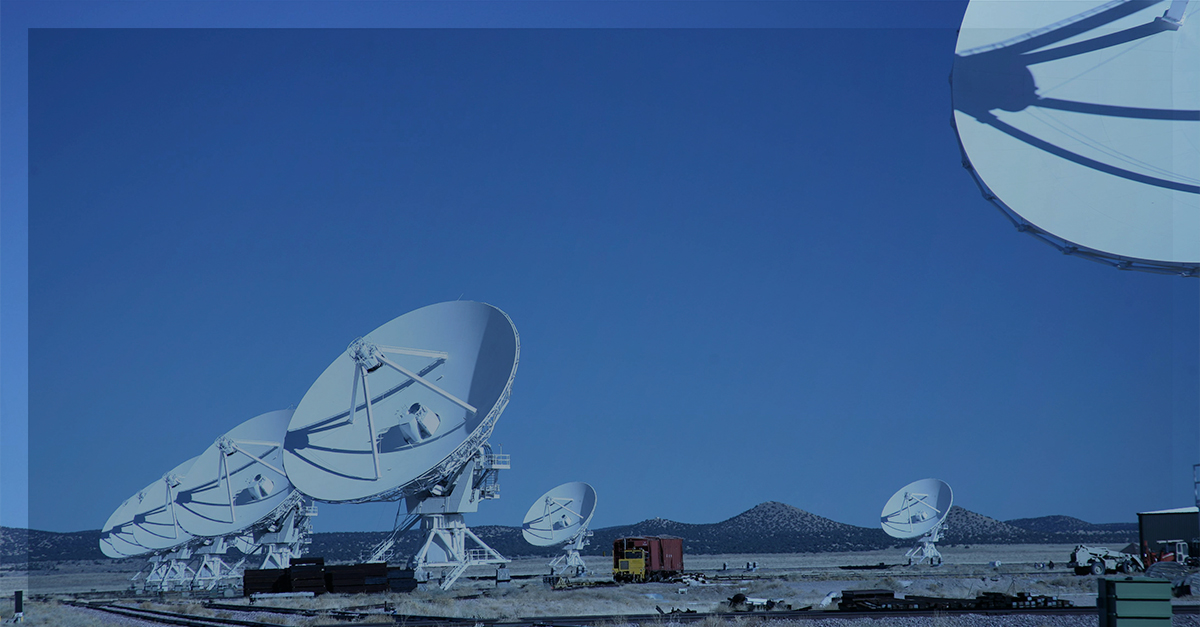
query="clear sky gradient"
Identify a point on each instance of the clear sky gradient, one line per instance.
(746, 264)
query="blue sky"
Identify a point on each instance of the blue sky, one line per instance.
(745, 263)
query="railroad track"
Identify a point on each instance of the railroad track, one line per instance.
(800, 615)
(392, 620)
(191, 620)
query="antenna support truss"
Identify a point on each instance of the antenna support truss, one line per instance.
(926, 547)
(449, 544)
(204, 563)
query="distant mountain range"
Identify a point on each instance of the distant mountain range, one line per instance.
(766, 528)
(39, 546)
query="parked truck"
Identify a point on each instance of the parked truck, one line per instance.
(1098, 560)
(649, 558)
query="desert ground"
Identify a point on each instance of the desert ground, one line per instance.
(797, 579)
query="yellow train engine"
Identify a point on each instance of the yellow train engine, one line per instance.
(650, 558)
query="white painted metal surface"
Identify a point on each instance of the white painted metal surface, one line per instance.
(238, 481)
(404, 407)
(116, 536)
(560, 514)
(449, 545)
(1081, 120)
(918, 511)
(156, 524)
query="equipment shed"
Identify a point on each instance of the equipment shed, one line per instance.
(1170, 524)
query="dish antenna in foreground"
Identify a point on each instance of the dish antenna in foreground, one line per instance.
(1081, 121)
(405, 413)
(561, 516)
(918, 511)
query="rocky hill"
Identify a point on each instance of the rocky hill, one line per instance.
(1066, 530)
(966, 527)
(766, 528)
(20, 545)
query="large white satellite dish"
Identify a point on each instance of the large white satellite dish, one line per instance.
(918, 512)
(404, 406)
(561, 516)
(405, 413)
(238, 481)
(156, 524)
(1081, 121)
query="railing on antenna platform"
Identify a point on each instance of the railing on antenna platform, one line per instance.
(478, 555)
(497, 461)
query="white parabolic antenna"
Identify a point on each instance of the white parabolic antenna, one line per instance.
(156, 524)
(560, 514)
(1081, 121)
(238, 481)
(405, 406)
(918, 512)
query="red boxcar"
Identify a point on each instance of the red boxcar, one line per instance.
(650, 558)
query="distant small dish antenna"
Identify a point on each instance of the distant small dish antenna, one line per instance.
(1081, 122)
(918, 512)
(561, 517)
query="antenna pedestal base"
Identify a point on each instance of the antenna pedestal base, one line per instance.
(213, 569)
(170, 571)
(288, 537)
(926, 549)
(573, 566)
(446, 546)
(205, 567)
(449, 544)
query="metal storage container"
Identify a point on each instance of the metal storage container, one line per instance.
(1134, 602)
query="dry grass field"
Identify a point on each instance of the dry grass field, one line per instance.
(797, 579)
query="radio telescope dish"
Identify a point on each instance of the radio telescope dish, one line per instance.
(405, 406)
(116, 536)
(561, 516)
(1081, 121)
(156, 525)
(238, 480)
(918, 511)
